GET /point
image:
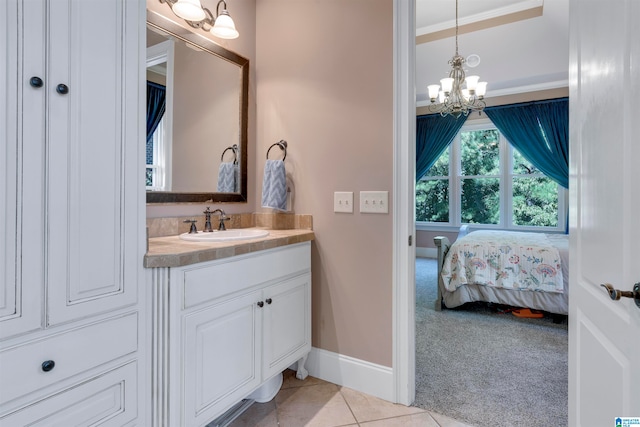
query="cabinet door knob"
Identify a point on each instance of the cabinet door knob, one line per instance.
(260, 304)
(269, 300)
(36, 81)
(48, 365)
(62, 89)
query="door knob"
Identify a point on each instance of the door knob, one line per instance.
(260, 304)
(616, 294)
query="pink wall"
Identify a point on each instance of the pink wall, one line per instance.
(202, 129)
(321, 77)
(325, 71)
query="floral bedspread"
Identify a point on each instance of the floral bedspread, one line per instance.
(514, 260)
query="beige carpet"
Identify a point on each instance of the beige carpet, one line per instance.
(486, 368)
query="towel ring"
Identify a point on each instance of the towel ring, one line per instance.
(234, 149)
(283, 146)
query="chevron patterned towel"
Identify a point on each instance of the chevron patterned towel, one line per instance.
(274, 186)
(227, 178)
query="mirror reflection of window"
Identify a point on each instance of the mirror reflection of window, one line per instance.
(159, 115)
(155, 155)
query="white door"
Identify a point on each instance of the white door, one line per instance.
(604, 335)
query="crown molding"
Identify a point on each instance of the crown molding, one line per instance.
(518, 11)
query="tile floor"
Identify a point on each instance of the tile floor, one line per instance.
(317, 403)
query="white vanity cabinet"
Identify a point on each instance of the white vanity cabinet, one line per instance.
(72, 215)
(225, 327)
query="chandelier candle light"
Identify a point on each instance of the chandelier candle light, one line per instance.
(453, 99)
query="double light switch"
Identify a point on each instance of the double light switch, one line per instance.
(370, 201)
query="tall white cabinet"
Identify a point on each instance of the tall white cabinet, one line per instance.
(72, 216)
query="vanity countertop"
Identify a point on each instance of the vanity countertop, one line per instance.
(171, 251)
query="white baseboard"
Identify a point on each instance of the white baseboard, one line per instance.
(427, 252)
(360, 375)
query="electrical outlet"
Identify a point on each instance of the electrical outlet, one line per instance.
(343, 201)
(374, 202)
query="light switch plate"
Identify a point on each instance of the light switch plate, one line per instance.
(374, 202)
(343, 201)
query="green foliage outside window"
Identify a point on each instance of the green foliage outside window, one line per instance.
(534, 196)
(432, 200)
(480, 159)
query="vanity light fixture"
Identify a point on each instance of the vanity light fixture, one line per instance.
(194, 14)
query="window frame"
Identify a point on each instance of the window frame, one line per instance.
(506, 189)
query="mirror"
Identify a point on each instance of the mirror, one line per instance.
(199, 152)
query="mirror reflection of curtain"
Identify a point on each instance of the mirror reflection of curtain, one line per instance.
(156, 105)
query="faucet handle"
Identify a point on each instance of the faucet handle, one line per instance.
(193, 228)
(221, 225)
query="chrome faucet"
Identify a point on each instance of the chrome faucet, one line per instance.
(223, 218)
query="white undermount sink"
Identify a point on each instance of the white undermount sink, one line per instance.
(225, 235)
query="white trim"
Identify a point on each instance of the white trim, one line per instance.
(529, 88)
(365, 377)
(426, 252)
(512, 91)
(484, 16)
(404, 167)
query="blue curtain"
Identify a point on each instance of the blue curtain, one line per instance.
(156, 103)
(434, 133)
(539, 130)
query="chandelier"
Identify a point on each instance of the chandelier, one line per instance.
(452, 99)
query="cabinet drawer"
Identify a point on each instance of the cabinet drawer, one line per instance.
(106, 400)
(73, 352)
(208, 281)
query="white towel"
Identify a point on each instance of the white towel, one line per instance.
(274, 185)
(227, 178)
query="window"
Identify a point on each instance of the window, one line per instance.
(482, 179)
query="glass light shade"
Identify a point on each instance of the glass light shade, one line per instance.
(224, 27)
(441, 96)
(472, 82)
(481, 89)
(433, 91)
(190, 10)
(465, 94)
(446, 84)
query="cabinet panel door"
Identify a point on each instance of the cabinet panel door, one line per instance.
(21, 166)
(221, 357)
(92, 146)
(287, 324)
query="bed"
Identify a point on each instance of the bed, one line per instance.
(518, 269)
